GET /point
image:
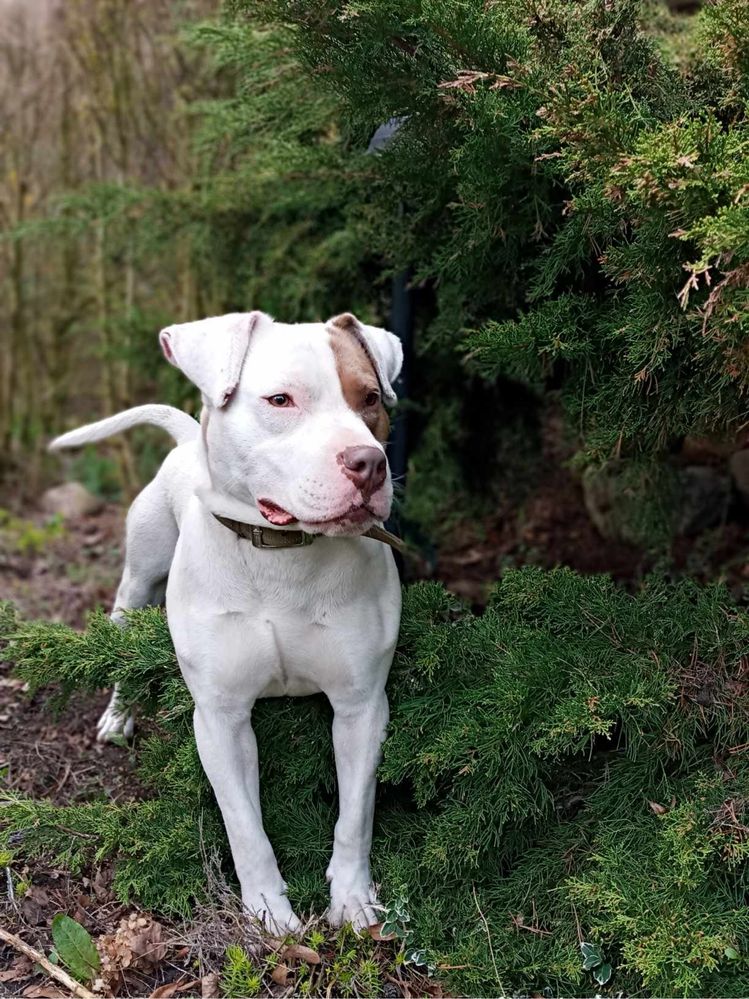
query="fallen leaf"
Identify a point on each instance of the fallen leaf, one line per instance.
(13, 682)
(20, 968)
(376, 933)
(209, 986)
(136, 943)
(147, 943)
(172, 988)
(76, 948)
(193, 983)
(298, 952)
(33, 905)
(101, 885)
(44, 992)
(280, 974)
(658, 809)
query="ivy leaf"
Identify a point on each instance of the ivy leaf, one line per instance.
(592, 955)
(75, 947)
(602, 973)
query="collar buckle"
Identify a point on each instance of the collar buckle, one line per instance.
(286, 539)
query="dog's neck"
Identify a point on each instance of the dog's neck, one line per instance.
(221, 505)
(216, 502)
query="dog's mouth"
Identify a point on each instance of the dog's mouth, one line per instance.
(279, 517)
(274, 513)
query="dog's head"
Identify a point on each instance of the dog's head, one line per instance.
(294, 419)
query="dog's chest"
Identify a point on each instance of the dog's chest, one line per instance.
(269, 624)
(301, 657)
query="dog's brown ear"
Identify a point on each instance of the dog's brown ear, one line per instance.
(384, 350)
(211, 352)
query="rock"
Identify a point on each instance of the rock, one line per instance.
(739, 465)
(704, 495)
(71, 499)
(643, 505)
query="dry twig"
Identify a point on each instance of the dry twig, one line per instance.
(489, 939)
(52, 970)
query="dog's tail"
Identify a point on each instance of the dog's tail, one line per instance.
(179, 425)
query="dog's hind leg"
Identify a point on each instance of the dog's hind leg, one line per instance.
(150, 538)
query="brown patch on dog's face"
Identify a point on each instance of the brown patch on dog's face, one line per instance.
(357, 375)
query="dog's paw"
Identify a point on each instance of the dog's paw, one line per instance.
(114, 725)
(274, 912)
(356, 905)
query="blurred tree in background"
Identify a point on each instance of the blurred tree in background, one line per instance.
(567, 190)
(158, 167)
(571, 179)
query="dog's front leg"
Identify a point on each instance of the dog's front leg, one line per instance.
(228, 752)
(358, 730)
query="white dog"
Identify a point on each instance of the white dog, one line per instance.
(253, 527)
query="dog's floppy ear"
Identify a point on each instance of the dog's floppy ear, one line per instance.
(383, 349)
(211, 352)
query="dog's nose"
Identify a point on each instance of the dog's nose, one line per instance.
(366, 466)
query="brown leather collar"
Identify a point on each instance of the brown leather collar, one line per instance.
(276, 537)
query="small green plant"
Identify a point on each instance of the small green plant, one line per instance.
(593, 960)
(395, 924)
(22, 885)
(26, 537)
(315, 939)
(352, 971)
(240, 979)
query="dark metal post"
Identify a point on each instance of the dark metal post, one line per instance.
(401, 323)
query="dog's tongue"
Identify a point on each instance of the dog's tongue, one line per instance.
(274, 513)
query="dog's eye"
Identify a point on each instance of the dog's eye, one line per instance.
(372, 399)
(280, 400)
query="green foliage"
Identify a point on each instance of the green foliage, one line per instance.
(567, 190)
(24, 536)
(352, 971)
(97, 472)
(348, 967)
(572, 179)
(566, 768)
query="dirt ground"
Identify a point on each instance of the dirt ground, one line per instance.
(57, 757)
